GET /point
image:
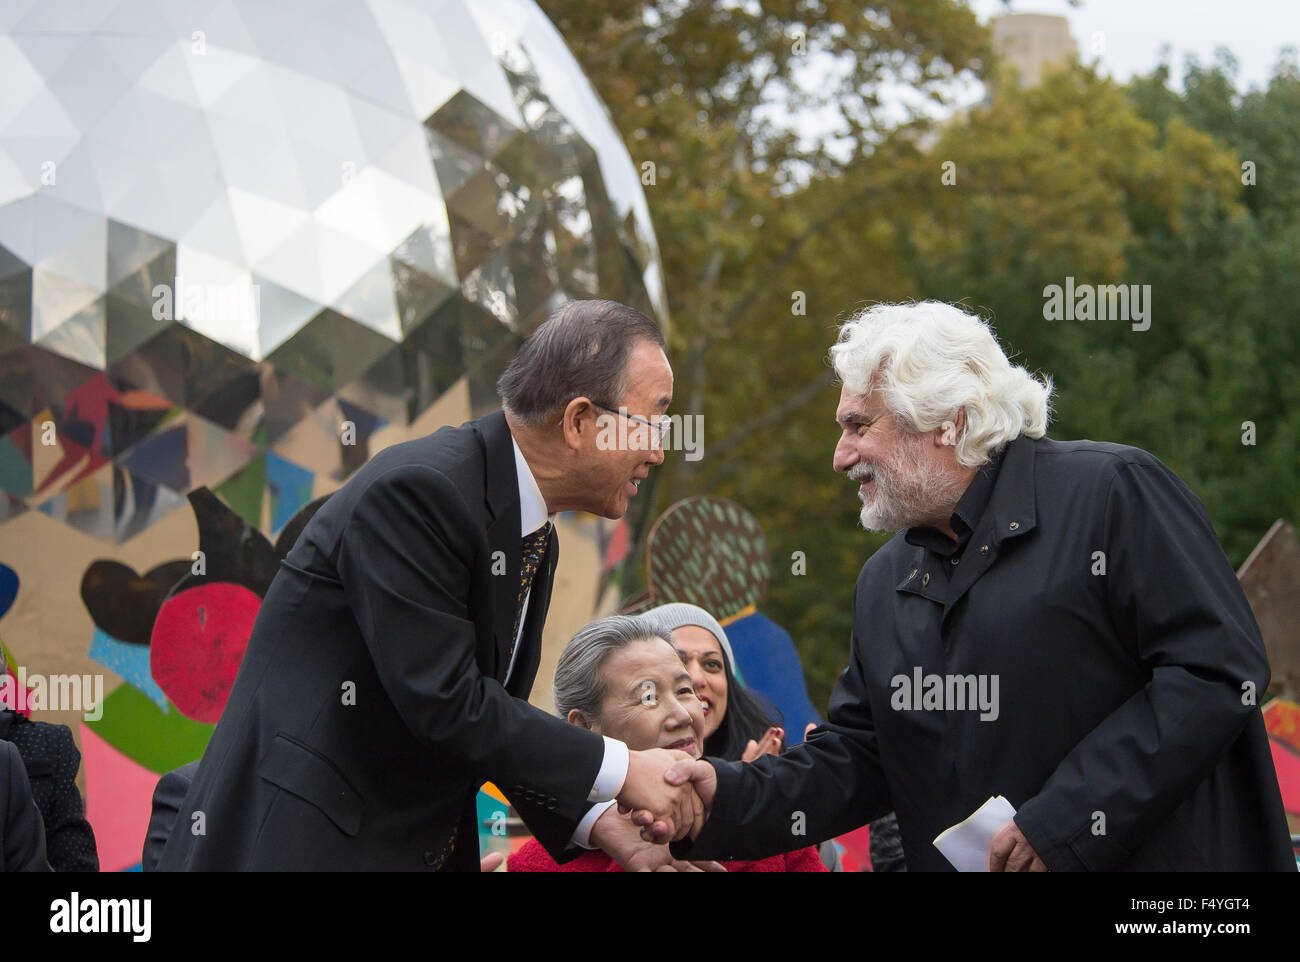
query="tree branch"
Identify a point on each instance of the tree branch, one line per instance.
(790, 404)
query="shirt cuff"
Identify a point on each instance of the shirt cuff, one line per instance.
(582, 834)
(613, 771)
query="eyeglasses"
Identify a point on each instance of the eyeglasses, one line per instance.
(660, 429)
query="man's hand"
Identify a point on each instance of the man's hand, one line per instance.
(617, 836)
(686, 773)
(667, 810)
(1010, 851)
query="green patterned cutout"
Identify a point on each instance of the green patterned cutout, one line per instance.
(710, 552)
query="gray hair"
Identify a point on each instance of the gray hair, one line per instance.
(933, 359)
(577, 676)
(581, 350)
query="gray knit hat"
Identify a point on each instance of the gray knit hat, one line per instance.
(679, 615)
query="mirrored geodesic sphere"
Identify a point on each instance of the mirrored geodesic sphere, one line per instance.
(245, 244)
(232, 231)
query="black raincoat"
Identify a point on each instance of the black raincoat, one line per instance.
(1088, 655)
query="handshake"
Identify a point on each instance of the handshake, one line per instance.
(668, 793)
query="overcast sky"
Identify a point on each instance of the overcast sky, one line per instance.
(1135, 30)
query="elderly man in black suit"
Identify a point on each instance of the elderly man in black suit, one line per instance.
(387, 673)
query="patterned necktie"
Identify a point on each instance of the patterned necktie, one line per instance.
(534, 549)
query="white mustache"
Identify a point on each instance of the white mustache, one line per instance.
(860, 472)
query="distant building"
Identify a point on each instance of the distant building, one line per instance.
(1033, 43)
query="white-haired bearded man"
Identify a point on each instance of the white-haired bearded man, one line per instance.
(1054, 622)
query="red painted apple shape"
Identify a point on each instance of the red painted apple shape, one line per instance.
(197, 644)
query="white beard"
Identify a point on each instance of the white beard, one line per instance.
(909, 490)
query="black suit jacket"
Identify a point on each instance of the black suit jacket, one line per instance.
(369, 705)
(22, 834)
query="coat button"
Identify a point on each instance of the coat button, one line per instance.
(984, 549)
(925, 579)
(955, 559)
(1014, 525)
(430, 859)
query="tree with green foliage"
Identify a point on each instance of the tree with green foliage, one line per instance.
(769, 238)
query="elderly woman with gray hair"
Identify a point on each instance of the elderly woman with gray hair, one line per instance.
(621, 677)
(738, 724)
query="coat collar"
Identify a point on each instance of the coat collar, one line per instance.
(1011, 513)
(499, 458)
(532, 506)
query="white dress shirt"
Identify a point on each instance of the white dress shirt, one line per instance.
(613, 766)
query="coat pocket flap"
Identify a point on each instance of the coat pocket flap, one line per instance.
(302, 771)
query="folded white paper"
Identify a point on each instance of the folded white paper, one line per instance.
(966, 844)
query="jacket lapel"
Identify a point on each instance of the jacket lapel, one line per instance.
(502, 534)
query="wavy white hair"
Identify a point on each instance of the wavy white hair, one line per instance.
(932, 360)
